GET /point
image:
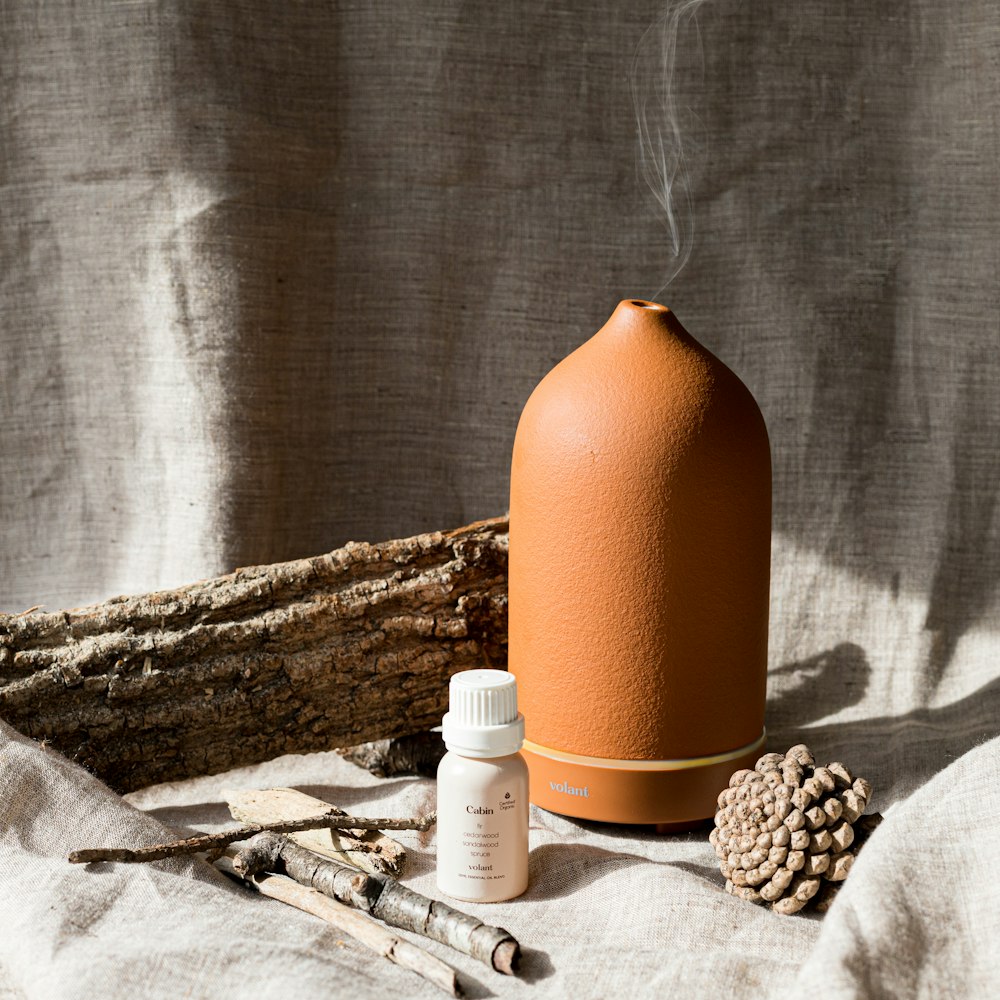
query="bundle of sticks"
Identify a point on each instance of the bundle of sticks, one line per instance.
(363, 904)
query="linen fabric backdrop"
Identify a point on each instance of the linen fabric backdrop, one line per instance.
(274, 276)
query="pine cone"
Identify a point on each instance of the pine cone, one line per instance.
(787, 828)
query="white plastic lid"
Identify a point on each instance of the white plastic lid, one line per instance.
(482, 718)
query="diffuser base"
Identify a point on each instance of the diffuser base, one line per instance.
(682, 791)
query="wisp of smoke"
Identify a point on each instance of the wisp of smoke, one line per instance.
(661, 152)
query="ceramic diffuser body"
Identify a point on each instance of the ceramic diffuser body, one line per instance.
(640, 525)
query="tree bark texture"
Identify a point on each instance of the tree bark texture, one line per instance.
(314, 654)
(417, 753)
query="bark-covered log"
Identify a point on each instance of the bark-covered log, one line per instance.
(307, 655)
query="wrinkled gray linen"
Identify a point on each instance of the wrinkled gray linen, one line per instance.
(273, 276)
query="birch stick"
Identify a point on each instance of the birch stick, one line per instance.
(383, 897)
(217, 841)
(362, 928)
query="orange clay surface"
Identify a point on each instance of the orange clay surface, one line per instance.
(640, 522)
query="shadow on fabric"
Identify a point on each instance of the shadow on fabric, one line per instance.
(821, 685)
(556, 870)
(906, 749)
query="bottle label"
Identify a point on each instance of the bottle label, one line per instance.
(483, 830)
(482, 842)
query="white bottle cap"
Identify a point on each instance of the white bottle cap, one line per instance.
(482, 718)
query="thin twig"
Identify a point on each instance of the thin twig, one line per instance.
(217, 841)
(359, 926)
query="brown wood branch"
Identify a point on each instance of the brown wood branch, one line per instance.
(222, 839)
(314, 654)
(383, 897)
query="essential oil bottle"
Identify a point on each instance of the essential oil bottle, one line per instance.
(482, 791)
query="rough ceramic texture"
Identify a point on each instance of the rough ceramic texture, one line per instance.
(640, 547)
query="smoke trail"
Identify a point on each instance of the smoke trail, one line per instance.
(661, 161)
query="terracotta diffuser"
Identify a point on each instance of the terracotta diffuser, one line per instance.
(640, 526)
